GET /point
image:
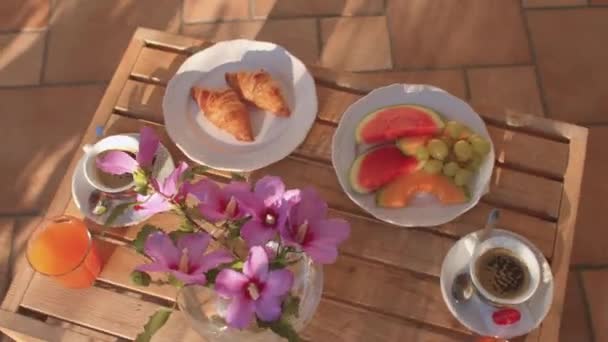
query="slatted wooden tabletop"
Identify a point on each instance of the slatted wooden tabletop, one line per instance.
(385, 284)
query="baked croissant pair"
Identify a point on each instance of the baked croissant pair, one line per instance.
(226, 108)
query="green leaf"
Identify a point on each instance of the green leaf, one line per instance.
(238, 177)
(281, 328)
(193, 171)
(119, 210)
(140, 278)
(174, 281)
(155, 322)
(237, 265)
(291, 306)
(187, 226)
(141, 182)
(211, 275)
(234, 226)
(193, 213)
(142, 236)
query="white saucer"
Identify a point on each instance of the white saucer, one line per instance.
(82, 189)
(476, 314)
(274, 137)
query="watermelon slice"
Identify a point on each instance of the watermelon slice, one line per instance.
(390, 123)
(379, 166)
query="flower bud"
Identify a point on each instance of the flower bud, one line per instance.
(140, 278)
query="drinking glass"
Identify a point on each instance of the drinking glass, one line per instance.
(62, 248)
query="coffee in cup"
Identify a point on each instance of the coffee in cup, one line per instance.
(502, 273)
(505, 270)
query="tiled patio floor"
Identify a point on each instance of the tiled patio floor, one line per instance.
(545, 57)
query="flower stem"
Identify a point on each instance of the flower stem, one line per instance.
(213, 232)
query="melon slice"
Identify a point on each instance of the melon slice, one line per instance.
(409, 145)
(400, 192)
(377, 167)
(390, 123)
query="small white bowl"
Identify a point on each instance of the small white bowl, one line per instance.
(425, 211)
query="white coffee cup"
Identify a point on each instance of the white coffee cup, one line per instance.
(520, 250)
(124, 142)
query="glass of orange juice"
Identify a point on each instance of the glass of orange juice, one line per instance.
(62, 248)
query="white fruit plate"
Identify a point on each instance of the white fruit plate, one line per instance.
(275, 137)
(425, 210)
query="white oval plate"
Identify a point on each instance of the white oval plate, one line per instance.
(274, 137)
(82, 189)
(475, 313)
(425, 211)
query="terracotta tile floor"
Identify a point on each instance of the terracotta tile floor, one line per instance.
(545, 57)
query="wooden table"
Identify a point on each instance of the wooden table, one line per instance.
(384, 286)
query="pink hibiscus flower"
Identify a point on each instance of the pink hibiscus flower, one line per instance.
(185, 260)
(308, 229)
(269, 209)
(166, 193)
(218, 204)
(257, 291)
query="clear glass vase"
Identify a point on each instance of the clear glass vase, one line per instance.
(205, 310)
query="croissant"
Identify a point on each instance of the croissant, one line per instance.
(260, 89)
(225, 110)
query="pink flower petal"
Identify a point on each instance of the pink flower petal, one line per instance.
(170, 184)
(195, 243)
(214, 259)
(248, 204)
(323, 254)
(148, 144)
(255, 233)
(287, 235)
(210, 199)
(116, 163)
(278, 284)
(212, 212)
(270, 189)
(160, 248)
(187, 279)
(268, 309)
(292, 196)
(240, 312)
(234, 188)
(326, 235)
(205, 190)
(154, 204)
(310, 208)
(230, 283)
(256, 265)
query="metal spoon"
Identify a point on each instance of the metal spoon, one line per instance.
(462, 287)
(100, 202)
(493, 216)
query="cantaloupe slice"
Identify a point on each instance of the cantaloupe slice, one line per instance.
(400, 192)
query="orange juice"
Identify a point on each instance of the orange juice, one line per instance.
(64, 250)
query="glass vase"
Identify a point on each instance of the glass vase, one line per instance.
(205, 310)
